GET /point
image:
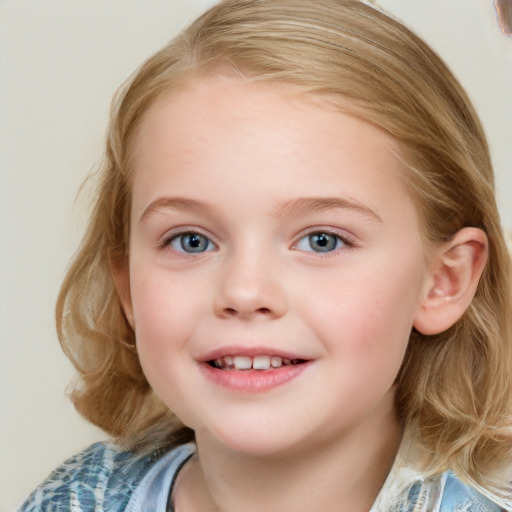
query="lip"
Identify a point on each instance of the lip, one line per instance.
(251, 381)
(237, 350)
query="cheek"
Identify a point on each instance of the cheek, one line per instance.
(162, 327)
(161, 322)
(367, 316)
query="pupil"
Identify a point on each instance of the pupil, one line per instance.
(322, 242)
(194, 243)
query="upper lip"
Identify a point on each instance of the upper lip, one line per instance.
(237, 350)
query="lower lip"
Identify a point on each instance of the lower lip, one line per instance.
(252, 381)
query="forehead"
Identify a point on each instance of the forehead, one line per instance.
(271, 107)
(227, 129)
(199, 99)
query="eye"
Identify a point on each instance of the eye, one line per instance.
(320, 241)
(191, 243)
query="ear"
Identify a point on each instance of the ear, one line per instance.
(455, 271)
(120, 270)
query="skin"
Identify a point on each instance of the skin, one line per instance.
(244, 166)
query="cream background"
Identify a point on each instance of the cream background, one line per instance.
(60, 62)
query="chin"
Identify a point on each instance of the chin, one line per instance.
(260, 441)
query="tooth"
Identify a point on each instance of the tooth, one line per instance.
(229, 360)
(287, 362)
(243, 362)
(276, 361)
(261, 363)
(219, 363)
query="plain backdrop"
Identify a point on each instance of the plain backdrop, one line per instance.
(60, 63)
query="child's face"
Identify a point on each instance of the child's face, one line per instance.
(266, 224)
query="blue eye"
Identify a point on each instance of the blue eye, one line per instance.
(320, 242)
(191, 243)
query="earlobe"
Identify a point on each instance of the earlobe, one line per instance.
(455, 271)
(120, 271)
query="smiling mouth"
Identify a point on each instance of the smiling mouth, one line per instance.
(241, 363)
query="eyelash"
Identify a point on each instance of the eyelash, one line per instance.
(341, 242)
(180, 237)
(325, 238)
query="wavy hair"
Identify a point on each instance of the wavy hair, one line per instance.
(453, 388)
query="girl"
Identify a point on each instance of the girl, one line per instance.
(293, 293)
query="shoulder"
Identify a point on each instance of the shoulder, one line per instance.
(458, 495)
(447, 493)
(101, 477)
(409, 487)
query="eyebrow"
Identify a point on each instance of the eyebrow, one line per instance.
(316, 204)
(174, 203)
(283, 209)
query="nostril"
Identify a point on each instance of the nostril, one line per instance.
(230, 312)
(233, 311)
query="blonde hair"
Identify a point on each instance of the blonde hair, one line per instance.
(453, 387)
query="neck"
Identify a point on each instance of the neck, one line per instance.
(345, 475)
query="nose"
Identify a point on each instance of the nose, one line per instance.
(250, 289)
